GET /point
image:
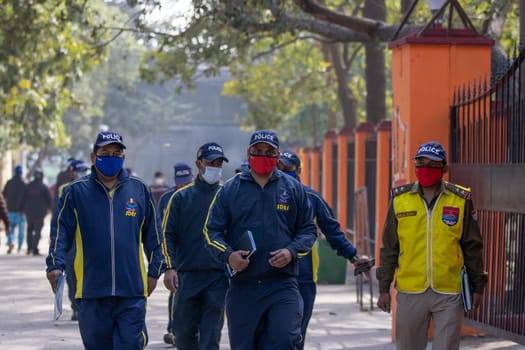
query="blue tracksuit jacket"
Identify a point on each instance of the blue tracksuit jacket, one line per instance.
(107, 228)
(330, 227)
(279, 216)
(182, 226)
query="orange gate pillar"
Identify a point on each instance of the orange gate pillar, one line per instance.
(315, 173)
(425, 72)
(328, 158)
(306, 171)
(362, 133)
(342, 176)
(304, 156)
(383, 132)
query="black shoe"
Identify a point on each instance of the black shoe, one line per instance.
(169, 338)
(74, 317)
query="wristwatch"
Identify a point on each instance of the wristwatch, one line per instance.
(354, 259)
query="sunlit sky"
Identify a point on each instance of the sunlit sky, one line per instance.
(174, 11)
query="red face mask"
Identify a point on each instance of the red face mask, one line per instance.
(428, 176)
(262, 165)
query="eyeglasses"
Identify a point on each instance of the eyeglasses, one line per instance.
(260, 153)
(110, 154)
(425, 162)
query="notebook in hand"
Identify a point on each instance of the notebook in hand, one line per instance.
(58, 296)
(466, 293)
(245, 242)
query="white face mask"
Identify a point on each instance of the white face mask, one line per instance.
(212, 175)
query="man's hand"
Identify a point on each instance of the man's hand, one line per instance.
(52, 277)
(384, 302)
(476, 300)
(152, 283)
(280, 258)
(171, 280)
(363, 265)
(238, 261)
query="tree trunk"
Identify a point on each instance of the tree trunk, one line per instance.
(375, 66)
(346, 97)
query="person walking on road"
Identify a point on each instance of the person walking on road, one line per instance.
(263, 305)
(36, 203)
(13, 192)
(430, 233)
(290, 164)
(111, 219)
(182, 176)
(199, 280)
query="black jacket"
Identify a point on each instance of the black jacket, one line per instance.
(36, 200)
(13, 192)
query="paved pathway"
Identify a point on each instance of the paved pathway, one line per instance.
(26, 309)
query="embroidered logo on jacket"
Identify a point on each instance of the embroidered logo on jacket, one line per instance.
(450, 215)
(131, 208)
(283, 201)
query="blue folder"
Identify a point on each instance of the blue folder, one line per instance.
(61, 279)
(466, 292)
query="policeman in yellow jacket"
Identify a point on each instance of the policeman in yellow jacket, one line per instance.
(430, 233)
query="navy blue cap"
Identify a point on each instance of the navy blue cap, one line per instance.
(432, 150)
(183, 174)
(290, 159)
(19, 170)
(266, 136)
(211, 151)
(107, 137)
(79, 166)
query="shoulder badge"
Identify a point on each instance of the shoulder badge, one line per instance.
(396, 191)
(463, 192)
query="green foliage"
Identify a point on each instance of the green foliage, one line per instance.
(277, 87)
(41, 54)
(106, 94)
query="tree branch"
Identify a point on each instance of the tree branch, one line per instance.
(359, 24)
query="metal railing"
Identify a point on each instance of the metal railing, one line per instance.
(488, 155)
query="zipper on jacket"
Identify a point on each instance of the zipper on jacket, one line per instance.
(430, 260)
(112, 235)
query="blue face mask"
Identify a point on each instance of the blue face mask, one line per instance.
(291, 173)
(109, 165)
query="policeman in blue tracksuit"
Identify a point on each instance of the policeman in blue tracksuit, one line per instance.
(263, 305)
(290, 164)
(110, 217)
(182, 175)
(201, 280)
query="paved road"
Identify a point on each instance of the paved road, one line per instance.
(26, 309)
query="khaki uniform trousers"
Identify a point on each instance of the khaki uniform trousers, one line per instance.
(413, 315)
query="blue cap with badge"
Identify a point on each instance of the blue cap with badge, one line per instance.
(290, 159)
(211, 151)
(183, 174)
(108, 137)
(432, 150)
(266, 136)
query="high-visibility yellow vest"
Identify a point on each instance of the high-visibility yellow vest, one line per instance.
(430, 254)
